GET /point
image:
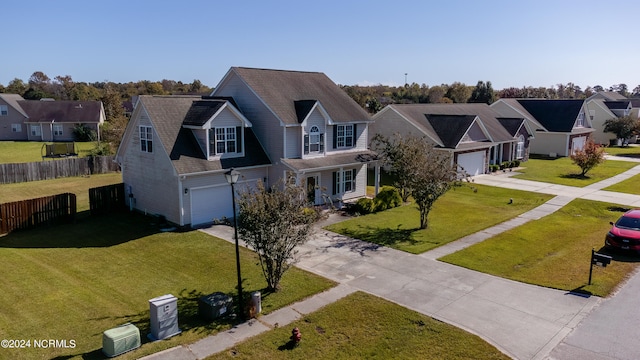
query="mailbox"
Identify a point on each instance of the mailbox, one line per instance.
(600, 259)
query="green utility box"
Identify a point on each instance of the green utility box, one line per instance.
(215, 305)
(121, 339)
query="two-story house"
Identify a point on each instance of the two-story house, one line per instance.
(267, 124)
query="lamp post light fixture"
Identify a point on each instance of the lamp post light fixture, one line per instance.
(232, 178)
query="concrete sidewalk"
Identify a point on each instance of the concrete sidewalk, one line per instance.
(524, 321)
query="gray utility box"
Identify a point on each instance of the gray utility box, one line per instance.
(164, 317)
(215, 305)
(121, 339)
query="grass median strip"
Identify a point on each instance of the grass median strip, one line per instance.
(362, 326)
(75, 281)
(458, 213)
(554, 251)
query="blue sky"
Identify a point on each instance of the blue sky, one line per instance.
(508, 42)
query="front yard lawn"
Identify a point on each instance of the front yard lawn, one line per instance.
(629, 186)
(632, 151)
(12, 152)
(78, 185)
(563, 172)
(554, 251)
(458, 213)
(362, 326)
(72, 282)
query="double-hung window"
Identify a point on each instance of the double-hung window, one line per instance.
(580, 122)
(314, 141)
(57, 130)
(344, 135)
(4, 110)
(520, 148)
(225, 140)
(344, 181)
(36, 130)
(146, 138)
(16, 127)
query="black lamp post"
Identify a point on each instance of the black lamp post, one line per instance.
(232, 178)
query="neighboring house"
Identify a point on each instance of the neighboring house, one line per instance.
(310, 128)
(474, 134)
(46, 120)
(606, 105)
(174, 154)
(267, 124)
(560, 126)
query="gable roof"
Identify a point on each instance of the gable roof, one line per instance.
(450, 128)
(303, 107)
(280, 89)
(201, 111)
(167, 114)
(618, 105)
(512, 125)
(554, 115)
(62, 111)
(12, 100)
(416, 113)
(612, 95)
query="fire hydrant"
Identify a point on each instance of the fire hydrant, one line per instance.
(296, 336)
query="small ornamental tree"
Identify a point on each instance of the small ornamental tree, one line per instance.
(273, 222)
(421, 171)
(624, 127)
(588, 157)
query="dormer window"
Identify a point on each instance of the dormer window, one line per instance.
(344, 136)
(225, 140)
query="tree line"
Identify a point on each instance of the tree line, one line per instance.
(374, 98)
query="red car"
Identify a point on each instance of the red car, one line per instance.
(625, 233)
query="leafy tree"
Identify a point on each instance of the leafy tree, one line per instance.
(16, 86)
(588, 157)
(373, 105)
(624, 127)
(273, 222)
(483, 93)
(459, 92)
(421, 171)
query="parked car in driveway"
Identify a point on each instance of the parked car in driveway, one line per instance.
(625, 232)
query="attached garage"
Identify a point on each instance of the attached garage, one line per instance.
(473, 163)
(577, 143)
(210, 203)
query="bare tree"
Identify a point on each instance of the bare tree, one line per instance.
(273, 222)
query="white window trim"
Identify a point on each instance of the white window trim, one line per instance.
(520, 148)
(4, 110)
(580, 121)
(58, 130)
(146, 138)
(228, 137)
(16, 128)
(314, 139)
(346, 137)
(35, 130)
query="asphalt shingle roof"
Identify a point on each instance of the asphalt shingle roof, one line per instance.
(167, 114)
(618, 105)
(450, 128)
(201, 111)
(280, 89)
(62, 111)
(345, 159)
(554, 115)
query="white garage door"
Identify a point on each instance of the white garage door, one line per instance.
(578, 143)
(472, 163)
(210, 203)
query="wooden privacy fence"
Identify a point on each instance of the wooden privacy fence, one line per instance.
(107, 199)
(32, 213)
(45, 170)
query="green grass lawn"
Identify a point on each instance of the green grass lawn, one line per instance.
(75, 281)
(77, 185)
(30, 151)
(554, 251)
(629, 186)
(362, 326)
(562, 171)
(458, 213)
(627, 151)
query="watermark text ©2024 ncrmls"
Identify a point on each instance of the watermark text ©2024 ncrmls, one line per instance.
(37, 343)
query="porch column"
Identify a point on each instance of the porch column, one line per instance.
(377, 178)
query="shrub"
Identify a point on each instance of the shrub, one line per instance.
(494, 167)
(363, 206)
(516, 163)
(82, 132)
(388, 197)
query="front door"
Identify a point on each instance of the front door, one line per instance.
(313, 187)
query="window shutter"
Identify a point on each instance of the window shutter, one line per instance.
(355, 135)
(335, 183)
(321, 142)
(212, 141)
(239, 139)
(335, 136)
(306, 144)
(353, 177)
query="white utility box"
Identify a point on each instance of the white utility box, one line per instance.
(164, 317)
